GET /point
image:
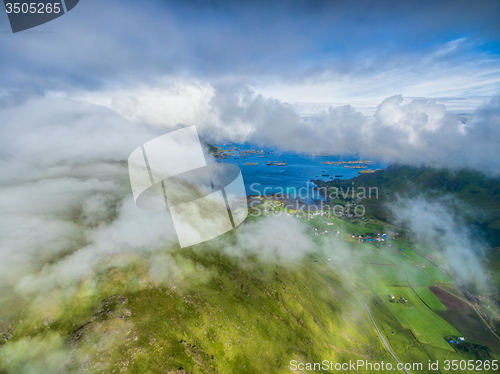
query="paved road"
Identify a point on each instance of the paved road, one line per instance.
(368, 310)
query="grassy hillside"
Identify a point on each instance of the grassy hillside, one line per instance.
(200, 310)
(227, 315)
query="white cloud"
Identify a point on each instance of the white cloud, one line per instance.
(435, 223)
(65, 193)
(413, 131)
(65, 198)
(168, 103)
(275, 239)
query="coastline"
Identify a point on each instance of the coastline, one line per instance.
(267, 171)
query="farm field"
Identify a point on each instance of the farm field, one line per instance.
(470, 326)
(381, 271)
(429, 298)
(427, 326)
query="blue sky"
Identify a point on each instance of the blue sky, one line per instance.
(363, 50)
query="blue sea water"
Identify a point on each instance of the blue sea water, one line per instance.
(294, 177)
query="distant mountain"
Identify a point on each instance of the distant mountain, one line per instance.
(469, 186)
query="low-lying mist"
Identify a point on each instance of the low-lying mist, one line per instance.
(66, 207)
(440, 224)
(68, 221)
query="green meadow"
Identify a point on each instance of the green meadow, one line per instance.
(212, 312)
(429, 298)
(426, 325)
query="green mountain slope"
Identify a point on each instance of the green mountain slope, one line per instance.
(219, 314)
(477, 191)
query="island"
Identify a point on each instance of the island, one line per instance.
(269, 163)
